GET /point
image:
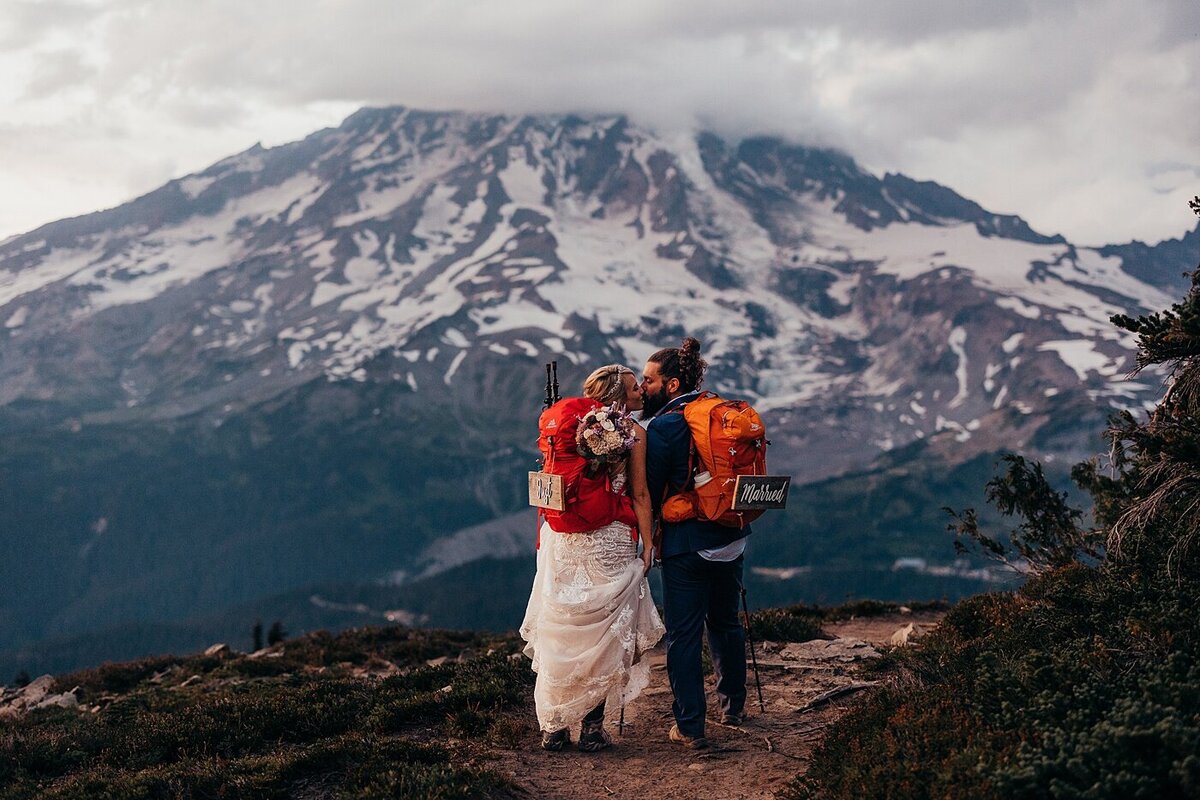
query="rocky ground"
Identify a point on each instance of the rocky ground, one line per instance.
(805, 687)
(405, 712)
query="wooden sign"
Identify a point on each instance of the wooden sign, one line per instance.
(546, 491)
(760, 492)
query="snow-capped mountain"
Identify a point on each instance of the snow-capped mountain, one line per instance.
(404, 245)
(409, 262)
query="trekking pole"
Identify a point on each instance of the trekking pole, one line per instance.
(750, 638)
(548, 401)
(554, 372)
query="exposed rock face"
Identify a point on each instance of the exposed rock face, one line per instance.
(318, 360)
(424, 248)
(36, 694)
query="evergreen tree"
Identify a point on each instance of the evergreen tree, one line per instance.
(257, 633)
(1049, 535)
(277, 633)
(1157, 515)
(1148, 510)
(1083, 683)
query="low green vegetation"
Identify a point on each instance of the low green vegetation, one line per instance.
(371, 712)
(299, 717)
(1085, 683)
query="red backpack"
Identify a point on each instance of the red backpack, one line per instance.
(591, 502)
(728, 440)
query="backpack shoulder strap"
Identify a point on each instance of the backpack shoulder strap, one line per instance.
(697, 412)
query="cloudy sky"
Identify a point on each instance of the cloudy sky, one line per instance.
(1080, 116)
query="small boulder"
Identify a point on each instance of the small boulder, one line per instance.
(217, 650)
(36, 691)
(377, 667)
(64, 700)
(270, 651)
(901, 636)
(822, 651)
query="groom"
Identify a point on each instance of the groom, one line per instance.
(702, 561)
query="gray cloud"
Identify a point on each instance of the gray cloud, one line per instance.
(29, 22)
(57, 71)
(1023, 106)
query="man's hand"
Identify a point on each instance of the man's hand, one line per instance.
(647, 560)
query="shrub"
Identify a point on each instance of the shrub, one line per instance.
(793, 624)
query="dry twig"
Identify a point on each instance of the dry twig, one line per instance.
(826, 697)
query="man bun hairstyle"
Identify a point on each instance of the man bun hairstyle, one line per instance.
(607, 384)
(683, 362)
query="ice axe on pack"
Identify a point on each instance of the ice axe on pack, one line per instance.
(551, 385)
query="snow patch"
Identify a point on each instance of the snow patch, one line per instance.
(522, 181)
(1016, 305)
(458, 359)
(958, 338)
(1081, 356)
(194, 185)
(17, 319)
(990, 372)
(961, 433)
(455, 338)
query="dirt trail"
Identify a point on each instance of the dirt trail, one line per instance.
(752, 761)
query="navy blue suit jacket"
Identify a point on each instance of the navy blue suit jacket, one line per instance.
(668, 445)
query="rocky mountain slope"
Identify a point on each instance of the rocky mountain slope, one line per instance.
(314, 363)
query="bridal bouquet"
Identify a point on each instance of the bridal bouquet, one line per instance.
(604, 437)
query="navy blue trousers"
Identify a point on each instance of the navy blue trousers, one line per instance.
(702, 596)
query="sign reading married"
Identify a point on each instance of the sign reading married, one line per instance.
(759, 492)
(546, 491)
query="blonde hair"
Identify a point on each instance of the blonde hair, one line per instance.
(607, 384)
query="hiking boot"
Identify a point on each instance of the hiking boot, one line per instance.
(732, 720)
(690, 742)
(592, 737)
(554, 741)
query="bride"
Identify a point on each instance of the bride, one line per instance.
(590, 616)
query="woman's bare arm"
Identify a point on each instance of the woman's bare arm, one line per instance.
(640, 493)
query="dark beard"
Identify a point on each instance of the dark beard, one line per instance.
(653, 403)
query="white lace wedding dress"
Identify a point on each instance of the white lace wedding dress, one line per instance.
(590, 619)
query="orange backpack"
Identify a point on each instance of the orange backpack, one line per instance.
(728, 440)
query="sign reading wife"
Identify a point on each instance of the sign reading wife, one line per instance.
(546, 491)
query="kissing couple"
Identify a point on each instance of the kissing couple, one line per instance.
(590, 618)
